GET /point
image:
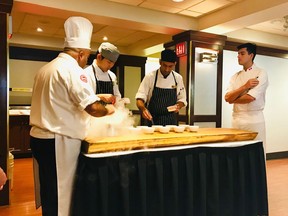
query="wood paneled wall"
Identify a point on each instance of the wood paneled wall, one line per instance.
(5, 8)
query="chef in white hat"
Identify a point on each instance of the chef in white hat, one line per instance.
(62, 103)
(100, 77)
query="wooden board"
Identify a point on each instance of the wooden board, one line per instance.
(141, 141)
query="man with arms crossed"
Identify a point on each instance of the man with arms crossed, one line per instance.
(246, 92)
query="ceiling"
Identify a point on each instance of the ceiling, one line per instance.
(140, 27)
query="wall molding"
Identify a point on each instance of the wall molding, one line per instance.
(277, 155)
(232, 46)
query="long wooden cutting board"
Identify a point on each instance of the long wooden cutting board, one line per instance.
(141, 141)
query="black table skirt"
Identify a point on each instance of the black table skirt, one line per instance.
(201, 181)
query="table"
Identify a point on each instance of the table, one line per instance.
(132, 141)
(221, 179)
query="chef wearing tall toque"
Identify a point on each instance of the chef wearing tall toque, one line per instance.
(162, 93)
(62, 103)
(100, 77)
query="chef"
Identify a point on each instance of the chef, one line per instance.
(247, 92)
(161, 93)
(62, 100)
(99, 75)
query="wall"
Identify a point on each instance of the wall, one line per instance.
(205, 85)
(21, 76)
(276, 97)
(132, 80)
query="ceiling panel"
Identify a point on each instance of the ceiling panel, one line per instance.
(133, 38)
(129, 33)
(50, 25)
(128, 2)
(113, 33)
(169, 3)
(164, 8)
(190, 13)
(209, 6)
(17, 19)
(275, 26)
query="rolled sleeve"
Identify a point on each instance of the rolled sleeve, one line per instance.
(81, 92)
(181, 92)
(145, 88)
(87, 101)
(261, 88)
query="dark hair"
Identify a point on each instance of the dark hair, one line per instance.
(251, 48)
(97, 52)
(168, 56)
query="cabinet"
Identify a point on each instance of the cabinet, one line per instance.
(19, 135)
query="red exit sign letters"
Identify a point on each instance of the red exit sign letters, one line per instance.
(181, 49)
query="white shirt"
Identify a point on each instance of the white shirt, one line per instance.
(258, 92)
(147, 85)
(102, 76)
(60, 94)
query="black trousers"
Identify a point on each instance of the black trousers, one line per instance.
(43, 151)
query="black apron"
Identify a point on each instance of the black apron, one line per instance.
(160, 100)
(103, 87)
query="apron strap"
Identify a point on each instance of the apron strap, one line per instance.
(98, 89)
(156, 78)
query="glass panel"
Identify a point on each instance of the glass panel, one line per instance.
(132, 80)
(205, 84)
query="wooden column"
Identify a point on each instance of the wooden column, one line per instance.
(202, 40)
(5, 8)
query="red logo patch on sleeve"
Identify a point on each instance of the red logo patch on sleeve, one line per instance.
(83, 78)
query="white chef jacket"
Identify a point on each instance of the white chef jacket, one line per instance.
(61, 92)
(102, 76)
(258, 92)
(147, 85)
(250, 116)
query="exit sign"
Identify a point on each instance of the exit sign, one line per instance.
(181, 49)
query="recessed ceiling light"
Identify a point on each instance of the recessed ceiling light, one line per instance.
(105, 38)
(39, 29)
(177, 0)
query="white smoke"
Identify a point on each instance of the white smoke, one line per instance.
(117, 124)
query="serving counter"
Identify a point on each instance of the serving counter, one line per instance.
(141, 141)
(225, 178)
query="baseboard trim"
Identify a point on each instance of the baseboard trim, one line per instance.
(277, 155)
